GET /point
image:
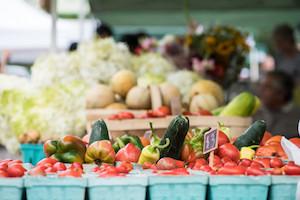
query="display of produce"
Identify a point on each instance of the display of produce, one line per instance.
(179, 153)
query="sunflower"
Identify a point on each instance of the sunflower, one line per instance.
(225, 48)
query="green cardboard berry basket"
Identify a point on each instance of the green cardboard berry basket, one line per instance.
(58, 188)
(116, 188)
(11, 188)
(283, 187)
(189, 187)
(238, 187)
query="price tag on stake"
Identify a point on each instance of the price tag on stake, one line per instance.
(175, 106)
(210, 141)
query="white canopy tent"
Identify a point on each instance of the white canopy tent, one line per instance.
(26, 31)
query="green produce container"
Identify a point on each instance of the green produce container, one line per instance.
(11, 188)
(283, 187)
(116, 188)
(238, 187)
(191, 187)
(32, 153)
(55, 188)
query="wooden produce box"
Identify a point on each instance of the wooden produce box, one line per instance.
(138, 126)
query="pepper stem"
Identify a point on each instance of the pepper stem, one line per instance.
(162, 146)
(120, 142)
(253, 146)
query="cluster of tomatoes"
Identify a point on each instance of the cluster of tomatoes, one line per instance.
(52, 166)
(162, 111)
(107, 170)
(11, 168)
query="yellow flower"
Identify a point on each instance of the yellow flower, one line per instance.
(225, 48)
(188, 40)
(210, 40)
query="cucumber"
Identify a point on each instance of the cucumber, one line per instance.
(252, 136)
(176, 132)
(99, 131)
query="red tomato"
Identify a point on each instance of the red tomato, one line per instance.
(113, 117)
(86, 138)
(217, 162)
(50, 170)
(296, 141)
(199, 163)
(230, 151)
(245, 162)
(3, 174)
(3, 166)
(276, 163)
(230, 164)
(125, 115)
(255, 171)
(204, 112)
(148, 165)
(16, 170)
(6, 161)
(265, 162)
(76, 165)
(266, 137)
(167, 163)
(59, 166)
(291, 169)
(37, 171)
(15, 161)
(125, 167)
(164, 110)
(50, 161)
(274, 140)
(238, 170)
(276, 171)
(72, 173)
(256, 164)
(206, 168)
(222, 138)
(226, 159)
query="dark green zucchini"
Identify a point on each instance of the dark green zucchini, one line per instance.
(99, 131)
(176, 132)
(252, 136)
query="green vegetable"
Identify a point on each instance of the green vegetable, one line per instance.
(99, 131)
(217, 111)
(176, 133)
(154, 139)
(241, 105)
(121, 142)
(151, 153)
(252, 136)
(196, 141)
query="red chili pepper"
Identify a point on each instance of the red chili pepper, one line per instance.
(203, 112)
(148, 165)
(238, 170)
(245, 162)
(199, 163)
(169, 163)
(129, 153)
(124, 167)
(254, 171)
(178, 171)
(265, 162)
(291, 169)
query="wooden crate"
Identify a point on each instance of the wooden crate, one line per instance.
(139, 126)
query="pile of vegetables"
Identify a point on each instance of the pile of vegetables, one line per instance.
(253, 153)
(31, 114)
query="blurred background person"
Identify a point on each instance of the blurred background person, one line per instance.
(132, 40)
(287, 56)
(104, 30)
(276, 93)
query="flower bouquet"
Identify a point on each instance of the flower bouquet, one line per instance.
(220, 52)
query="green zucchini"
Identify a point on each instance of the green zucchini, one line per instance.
(99, 131)
(252, 136)
(176, 132)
